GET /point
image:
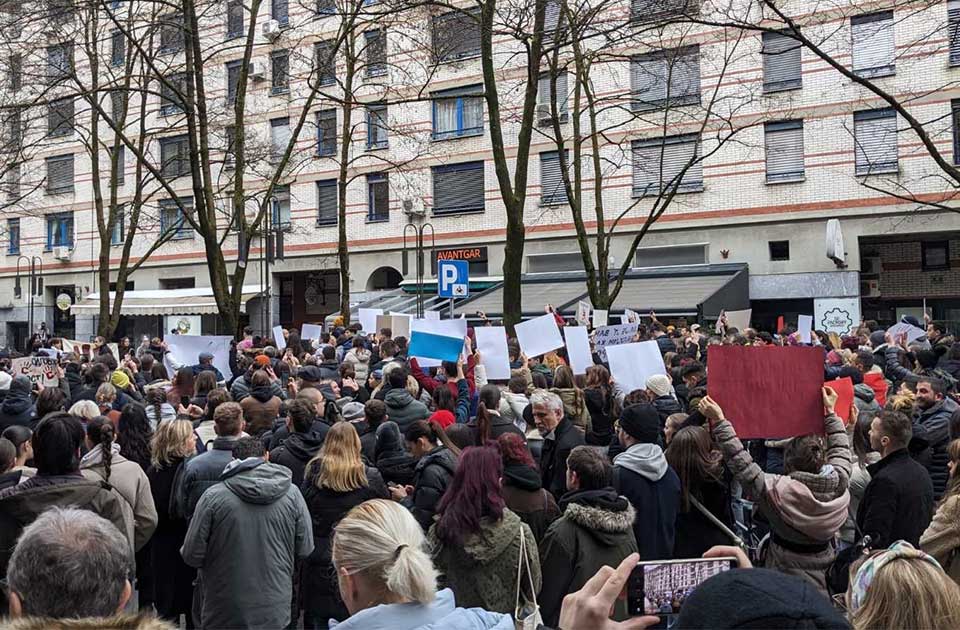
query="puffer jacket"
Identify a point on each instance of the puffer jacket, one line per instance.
(574, 407)
(359, 358)
(18, 407)
(430, 480)
(295, 452)
(666, 406)
(403, 409)
(942, 537)
(482, 569)
(240, 388)
(440, 614)
(865, 399)
(931, 437)
(805, 510)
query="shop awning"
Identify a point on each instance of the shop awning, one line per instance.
(694, 291)
(199, 301)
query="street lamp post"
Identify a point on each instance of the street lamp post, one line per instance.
(417, 238)
(35, 277)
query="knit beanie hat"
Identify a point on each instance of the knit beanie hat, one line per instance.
(659, 384)
(641, 422)
(758, 598)
(120, 379)
(877, 338)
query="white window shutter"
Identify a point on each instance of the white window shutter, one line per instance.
(873, 44)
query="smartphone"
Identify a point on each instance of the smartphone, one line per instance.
(660, 587)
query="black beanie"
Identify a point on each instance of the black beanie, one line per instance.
(758, 598)
(641, 422)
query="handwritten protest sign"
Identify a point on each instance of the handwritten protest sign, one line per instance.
(186, 349)
(583, 313)
(613, 336)
(41, 370)
(771, 392)
(911, 332)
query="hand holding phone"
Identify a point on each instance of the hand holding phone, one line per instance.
(660, 587)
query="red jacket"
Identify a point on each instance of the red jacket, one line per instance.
(429, 383)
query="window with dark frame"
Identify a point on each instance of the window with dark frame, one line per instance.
(457, 112)
(955, 116)
(173, 220)
(326, 7)
(280, 207)
(873, 44)
(327, 132)
(456, 35)
(175, 156)
(280, 72)
(378, 197)
(875, 141)
(544, 105)
(325, 62)
(953, 31)
(662, 163)
(377, 126)
(279, 136)
(59, 62)
(781, 62)
(119, 232)
(234, 18)
(172, 36)
(779, 250)
(117, 103)
(376, 52)
(935, 255)
(233, 80)
(229, 152)
(59, 230)
(553, 191)
(783, 144)
(15, 71)
(327, 202)
(13, 236)
(458, 188)
(644, 11)
(121, 159)
(171, 94)
(60, 115)
(118, 48)
(280, 11)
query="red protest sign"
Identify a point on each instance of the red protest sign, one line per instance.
(844, 388)
(769, 392)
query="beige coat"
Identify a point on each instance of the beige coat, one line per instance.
(942, 537)
(131, 482)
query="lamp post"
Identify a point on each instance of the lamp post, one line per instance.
(35, 277)
(417, 237)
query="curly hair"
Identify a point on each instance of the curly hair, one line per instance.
(134, 433)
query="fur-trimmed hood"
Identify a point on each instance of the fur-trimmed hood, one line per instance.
(118, 622)
(603, 513)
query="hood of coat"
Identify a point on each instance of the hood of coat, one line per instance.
(303, 446)
(818, 517)
(494, 537)
(603, 513)
(647, 460)
(18, 399)
(361, 355)
(397, 399)
(440, 614)
(522, 477)
(666, 405)
(256, 481)
(864, 392)
(118, 622)
(94, 456)
(27, 500)
(570, 396)
(441, 456)
(263, 393)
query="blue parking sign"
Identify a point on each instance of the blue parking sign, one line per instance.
(453, 278)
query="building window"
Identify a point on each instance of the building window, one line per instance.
(13, 182)
(875, 140)
(59, 230)
(117, 104)
(327, 202)
(280, 11)
(554, 262)
(378, 197)
(280, 207)
(14, 130)
(376, 52)
(280, 72)
(781, 62)
(118, 234)
(551, 19)
(172, 219)
(552, 189)
(955, 115)
(953, 24)
(233, 80)
(234, 18)
(13, 236)
(118, 48)
(279, 136)
(15, 71)
(173, 284)
(458, 112)
(458, 188)
(376, 126)
(229, 142)
(656, 10)
(671, 256)
(544, 105)
(783, 142)
(327, 132)
(323, 54)
(779, 250)
(60, 11)
(175, 156)
(667, 78)
(60, 174)
(456, 35)
(121, 159)
(873, 44)
(172, 89)
(659, 163)
(171, 33)
(935, 255)
(326, 7)
(59, 62)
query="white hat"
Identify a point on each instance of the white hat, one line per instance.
(5, 380)
(659, 384)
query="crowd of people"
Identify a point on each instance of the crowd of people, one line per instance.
(338, 483)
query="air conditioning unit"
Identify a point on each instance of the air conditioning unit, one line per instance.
(255, 71)
(63, 253)
(869, 288)
(271, 30)
(872, 266)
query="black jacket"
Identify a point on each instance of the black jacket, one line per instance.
(695, 531)
(18, 406)
(897, 504)
(523, 493)
(431, 477)
(318, 580)
(173, 586)
(931, 437)
(601, 424)
(368, 440)
(329, 370)
(553, 456)
(656, 496)
(666, 406)
(498, 426)
(295, 452)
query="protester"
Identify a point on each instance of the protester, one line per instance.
(942, 537)
(205, 383)
(301, 445)
(206, 428)
(387, 579)
(522, 490)
(157, 408)
(932, 427)
(244, 539)
(203, 471)
(336, 481)
(402, 407)
(262, 406)
(181, 387)
(20, 437)
(481, 548)
(436, 465)
(574, 405)
(559, 438)
(133, 434)
(596, 529)
(374, 414)
(359, 357)
(489, 424)
(394, 463)
(18, 407)
(598, 396)
(864, 456)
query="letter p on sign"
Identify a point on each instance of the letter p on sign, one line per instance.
(453, 278)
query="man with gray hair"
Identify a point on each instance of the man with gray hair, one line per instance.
(560, 437)
(72, 564)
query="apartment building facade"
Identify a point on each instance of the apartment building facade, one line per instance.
(810, 146)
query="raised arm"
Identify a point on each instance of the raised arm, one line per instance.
(738, 459)
(838, 442)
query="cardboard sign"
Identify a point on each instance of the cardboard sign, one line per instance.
(446, 327)
(739, 319)
(539, 335)
(401, 324)
(279, 339)
(311, 331)
(912, 332)
(613, 336)
(186, 349)
(633, 317)
(41, 370)
(492, 346)
(578, 348)
(844, 388)
(599, 317)
(768, 392)
(368, 319)
(583, 313)
(633, 363)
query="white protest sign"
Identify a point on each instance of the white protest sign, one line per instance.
(401, 324)
(632, 316)
(311, 331)
(804, 327)
(583, 313)
(279, 338)
(186, 349)
(368, 319)
(836, 315)
(739, 319)
(599, 317)
(446, 327)
(492, 346)
(539, 335)
(431, 315)
(912, 332)
(633, 363)
(41, 370)
(613, 336)
(578, 348)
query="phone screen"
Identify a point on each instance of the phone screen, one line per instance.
(660, 587)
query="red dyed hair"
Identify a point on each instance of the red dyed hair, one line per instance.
(473, 493)
(514, 450)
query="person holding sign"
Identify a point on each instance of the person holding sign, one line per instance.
(806, 506)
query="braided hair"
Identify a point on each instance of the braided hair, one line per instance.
(100, 432)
